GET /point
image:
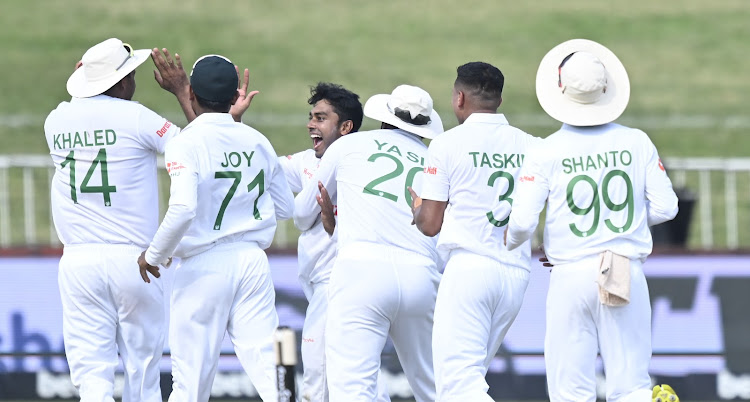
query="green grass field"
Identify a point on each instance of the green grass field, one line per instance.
(686, 60)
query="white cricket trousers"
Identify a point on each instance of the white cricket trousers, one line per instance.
(225, 289)
(477, 302)
(108, 308)
(376, 291)
(314, 384)
(314, 387)
(579, 325)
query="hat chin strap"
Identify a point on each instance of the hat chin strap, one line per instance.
(583, 97)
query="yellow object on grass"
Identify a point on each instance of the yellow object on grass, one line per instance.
(664, 393)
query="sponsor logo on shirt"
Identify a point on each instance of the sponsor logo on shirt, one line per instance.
(661, 166)
(289, 156)
(173, 168)
(163, 130)
(308, 173)
(527, 178)
(430, 170)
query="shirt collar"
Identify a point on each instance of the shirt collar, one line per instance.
(212, 118)
(496, 118)
(585, 129)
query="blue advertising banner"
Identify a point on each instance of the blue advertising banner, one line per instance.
(700, 332)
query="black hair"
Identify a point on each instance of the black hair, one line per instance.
(344, 102)
(214, 106)
(482, 80)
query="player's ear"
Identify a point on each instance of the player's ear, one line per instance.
(192, 94)
(346, 127)
(460, 99)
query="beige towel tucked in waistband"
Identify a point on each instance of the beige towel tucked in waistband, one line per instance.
(614, 279)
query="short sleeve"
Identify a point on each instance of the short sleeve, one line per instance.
(155, 131)
(435, 182)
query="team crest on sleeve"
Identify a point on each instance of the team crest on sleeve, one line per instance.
(163, 130)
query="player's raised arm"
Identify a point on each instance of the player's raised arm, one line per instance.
(662, 200)
(171, 77)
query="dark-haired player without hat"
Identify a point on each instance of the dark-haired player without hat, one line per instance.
(227, 192)
(473, 168)
(335, 112)
(385, 277)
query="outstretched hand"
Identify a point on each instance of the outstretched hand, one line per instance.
(245, 98)
(327, 215)
(169, 72)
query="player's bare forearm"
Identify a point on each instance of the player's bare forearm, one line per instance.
(428, 214)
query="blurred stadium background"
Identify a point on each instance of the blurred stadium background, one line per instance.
(687, 62)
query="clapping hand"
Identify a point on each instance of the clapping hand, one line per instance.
(327, 214)
(169, 72)
(244, 99)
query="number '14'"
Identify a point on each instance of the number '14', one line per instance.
(105, 189)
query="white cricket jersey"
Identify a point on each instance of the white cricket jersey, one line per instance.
(226, 186)
(316, 251)
(104, 189)
(604, 184)
(474, 167)
(369, 172)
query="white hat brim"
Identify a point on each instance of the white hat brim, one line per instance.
(376, 108)
(79, 87)
(561, 108)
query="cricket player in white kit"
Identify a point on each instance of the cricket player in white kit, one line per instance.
(603, 184)
(385, 277)
(105, 209)
(473, 168)
(335, 112)
(227, 192)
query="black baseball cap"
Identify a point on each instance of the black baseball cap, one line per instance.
(214, 78)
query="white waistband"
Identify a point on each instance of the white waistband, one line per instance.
(102, 248)
(377, 251)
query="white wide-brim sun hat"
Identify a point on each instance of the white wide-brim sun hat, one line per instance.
(406, 100)
(582, 83)
(104, 65)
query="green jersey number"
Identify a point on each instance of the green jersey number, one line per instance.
(101, 162)
(410, 175)
(503, 197)
(259, 181)
(596, 204)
